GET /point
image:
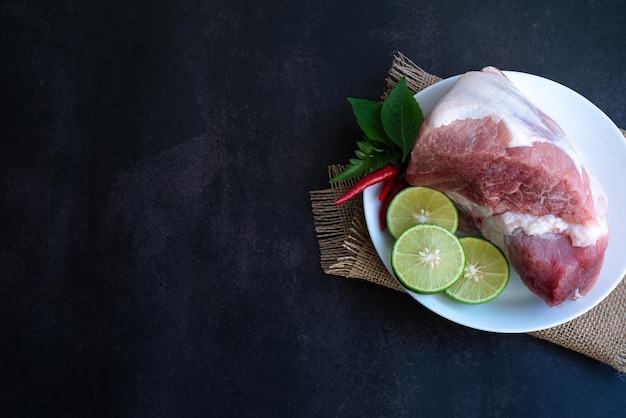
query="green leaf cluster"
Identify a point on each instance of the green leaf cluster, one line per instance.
(389, 131)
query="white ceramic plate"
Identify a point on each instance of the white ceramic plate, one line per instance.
(597, 138)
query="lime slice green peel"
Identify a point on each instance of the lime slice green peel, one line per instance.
(420, 205)
(427, 258)
(486, 273)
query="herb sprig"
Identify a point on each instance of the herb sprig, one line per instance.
(389, 131)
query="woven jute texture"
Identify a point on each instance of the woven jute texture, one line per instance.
(346, 250)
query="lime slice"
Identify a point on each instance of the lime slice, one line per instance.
(420, 205)
(427, 258)
(486, 272)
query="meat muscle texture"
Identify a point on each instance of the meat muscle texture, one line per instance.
(510, 168)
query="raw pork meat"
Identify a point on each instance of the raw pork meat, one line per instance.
(509, 167)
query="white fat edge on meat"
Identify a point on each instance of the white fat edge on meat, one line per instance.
(489, 93)
(496, 227)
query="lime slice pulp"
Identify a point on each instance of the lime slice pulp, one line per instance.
(420, 205)
(427, 258)
(486, 272)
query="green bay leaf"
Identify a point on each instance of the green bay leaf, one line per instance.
(401, 117)
(368, 117)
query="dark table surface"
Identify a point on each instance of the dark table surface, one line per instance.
(158, 256)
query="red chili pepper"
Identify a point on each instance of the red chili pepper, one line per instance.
(382, 213)
(384, 191)
(370, 179)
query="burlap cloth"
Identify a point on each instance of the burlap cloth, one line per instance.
(346, 250)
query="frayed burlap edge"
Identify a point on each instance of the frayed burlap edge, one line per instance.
(346, 250)
(599, 333)
(332, 226)
(416, 78)
(344, 242)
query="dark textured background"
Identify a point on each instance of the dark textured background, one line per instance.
(157, 252)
